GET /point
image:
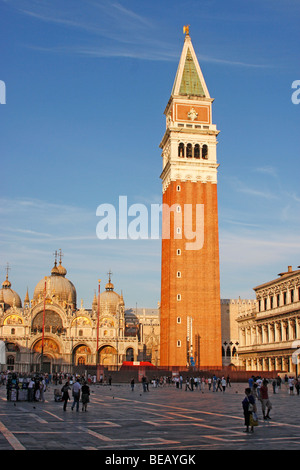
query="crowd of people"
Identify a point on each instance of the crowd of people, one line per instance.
(32, 388)
(68, 386)
(191, 383)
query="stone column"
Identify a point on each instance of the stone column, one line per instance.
(265, 331)
(283, 329)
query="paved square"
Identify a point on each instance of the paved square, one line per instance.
(165, 418)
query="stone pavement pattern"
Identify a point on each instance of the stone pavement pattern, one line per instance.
(165, 418)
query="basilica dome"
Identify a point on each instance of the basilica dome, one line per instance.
(110, 300)
(58, 287)
(8, 295)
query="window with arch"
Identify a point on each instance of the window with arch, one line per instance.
(181, 150)
(205, 152)
(189, 150)
(197, 151)
(129, 354)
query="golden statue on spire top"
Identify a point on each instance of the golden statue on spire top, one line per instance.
(186, 30)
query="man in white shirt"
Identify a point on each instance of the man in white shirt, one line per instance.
(31, 389)
(76, 395)
(258, 383)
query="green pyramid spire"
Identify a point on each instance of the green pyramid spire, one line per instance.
(190, 82)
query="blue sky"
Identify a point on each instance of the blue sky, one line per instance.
(86, 86)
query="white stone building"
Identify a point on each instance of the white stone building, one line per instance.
(269, 332)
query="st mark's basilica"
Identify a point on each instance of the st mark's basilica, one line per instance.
(51, 333)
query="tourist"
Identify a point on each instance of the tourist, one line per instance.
(42, 389)
(144, 383)
(297, 385)
(258, 383)
(85, 396)
(209, 383)
(214, 383)
(76, 395)
(187, 384)
(192, 383)
(223, 383)
(31, 390)
(249, 407)
(278, 381)
(291, 385)
(65, 394)
(132, 384)
(219, 384)
(251, 382)
(264, 398)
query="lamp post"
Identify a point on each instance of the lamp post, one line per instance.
(43, 326)
(98, 318)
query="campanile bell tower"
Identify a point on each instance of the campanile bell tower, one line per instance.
(190, 278)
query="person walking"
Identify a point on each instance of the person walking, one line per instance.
(132, 384)
(223, 383)
(76, 395)
(187, 384)
(192, 381)
(219, 384)
(85, 396)
(65, 394)
(214, 383)
(291, 385)
(297, 385)
(42, 389)
(209, 383)
(31, 390)
(249, 407)
(278, 381)
(144, 383)
(264, 398)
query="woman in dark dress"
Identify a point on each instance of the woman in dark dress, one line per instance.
(85, 396)
(249, 407)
